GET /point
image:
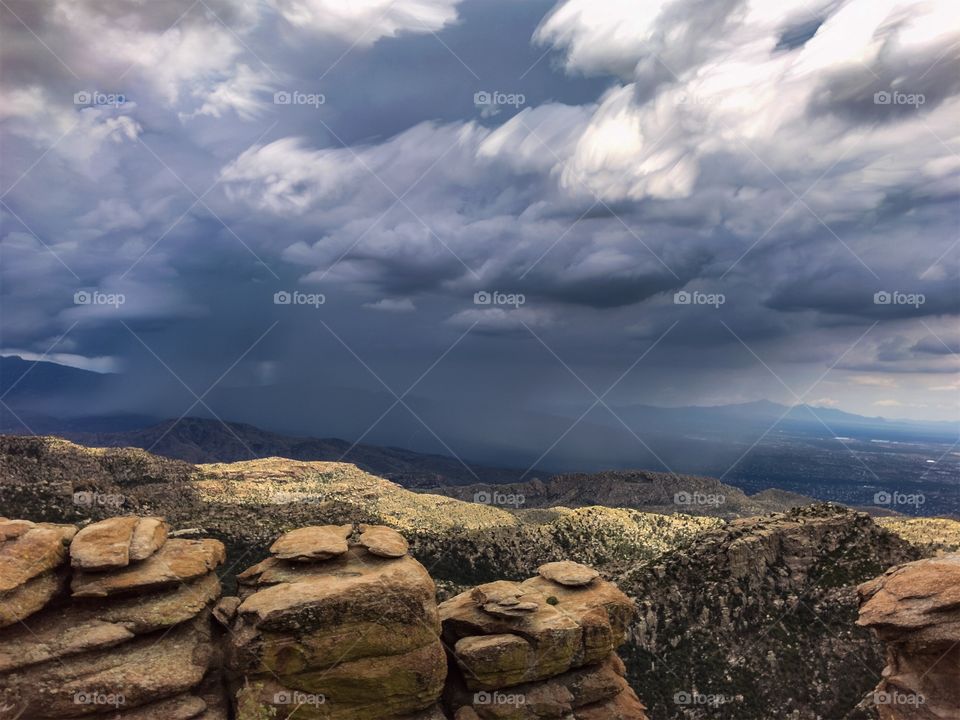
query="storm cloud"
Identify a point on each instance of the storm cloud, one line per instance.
(424, 165)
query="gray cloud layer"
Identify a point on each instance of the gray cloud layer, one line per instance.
(594, 157)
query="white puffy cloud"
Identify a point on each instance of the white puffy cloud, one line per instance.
(363, 22)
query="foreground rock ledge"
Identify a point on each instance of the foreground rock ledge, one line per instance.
(915, 609)
(339, 623)
(134, 639)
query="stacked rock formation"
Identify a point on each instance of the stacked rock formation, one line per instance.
(339, 623)
(130, 636)
(915, 609)
(543, 648)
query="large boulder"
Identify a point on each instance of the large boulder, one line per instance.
(135, 639)
(507, 633)
(116, 542)
(351, 635)
(31, 572)
(915, 609)
(138, 671)
(543, 648)
(177, 561)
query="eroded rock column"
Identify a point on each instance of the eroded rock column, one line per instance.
(543, 648)
(112, 619)
(340, 623)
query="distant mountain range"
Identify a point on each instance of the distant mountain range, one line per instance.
(809, 451)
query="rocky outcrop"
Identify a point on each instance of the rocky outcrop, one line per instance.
(762, 604)
(539, 649)
(112, 619)
(915, 610)
(336, 628)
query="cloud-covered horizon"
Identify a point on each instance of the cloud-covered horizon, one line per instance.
(760, 200)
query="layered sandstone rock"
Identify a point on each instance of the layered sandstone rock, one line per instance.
(133, 637)
(543, 648)
(343, 631)
(915, 610)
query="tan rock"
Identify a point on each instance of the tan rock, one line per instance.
(912, 597)
(177, 561)
(29, 554)
(625, 706)
(182, 707)
(495, 661)
(116, 542)
(602, 608)
(10, 529)
(226, 610)
(148, 536)
(568, 573)
(297, 617)
(558, 639)
(383, 541)
(309, 544)
(570, 627)
(915, 609)
(297, 596)
(560, 696)
(103, 545)
(29, 598)
(370, 689)
(505, 599)
(141, 671)
(84, 626)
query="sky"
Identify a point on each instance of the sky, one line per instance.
(309, 214)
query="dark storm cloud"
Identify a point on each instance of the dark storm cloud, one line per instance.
(749, 168)
(852, 291)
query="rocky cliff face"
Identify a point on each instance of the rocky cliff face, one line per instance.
(915, 610)
(339, 622)
(112, 619)
(757, 619)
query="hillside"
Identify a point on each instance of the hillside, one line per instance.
(197, 440)
(247, 503)
(759, 615)
(641, 489)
